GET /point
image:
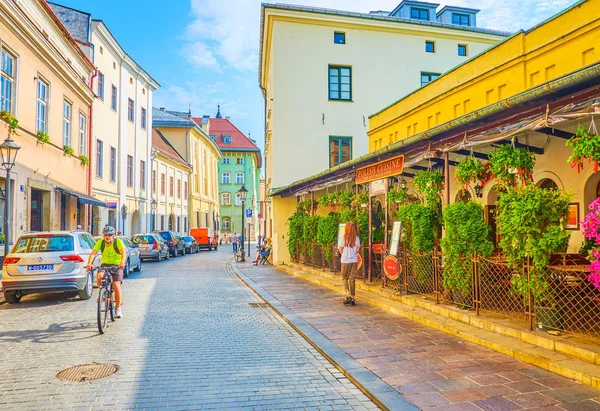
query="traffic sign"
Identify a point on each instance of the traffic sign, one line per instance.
(248, 213)
(259, 215)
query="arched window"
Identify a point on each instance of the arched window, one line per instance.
(226, 224)
(226, 178)
(239, 178)
(548, 184)
(226, 199)
(238, 199)
(463, 195)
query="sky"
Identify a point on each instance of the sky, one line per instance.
(204, 53)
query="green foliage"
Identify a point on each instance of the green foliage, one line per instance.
(306, 206)
(345, 198)
(399, 196)
(42, 137)
(363, 226)
(531, 223)
(507, 162)
(84, 160)
(417, 227)
(68, 150)
(466, 233)
(327, 234)
(361, 199)
(430, 185)
(13, 123)
(296, 233)
(2, 238)
(585, 145)
(469, 171)
(309, 237)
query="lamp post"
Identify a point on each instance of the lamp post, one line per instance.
(243, 192)
(153, 204)
(8, 151)
(123, 217)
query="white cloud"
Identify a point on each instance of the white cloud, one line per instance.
(200, 56)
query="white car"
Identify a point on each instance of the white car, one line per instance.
(48, 262)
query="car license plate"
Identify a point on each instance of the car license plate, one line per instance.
(40, 267)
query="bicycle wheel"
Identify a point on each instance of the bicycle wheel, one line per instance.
(103, 308)
(112, 308)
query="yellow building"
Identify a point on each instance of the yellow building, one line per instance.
(46, 81)
(324, 71)
(170, 186)
(202, 153)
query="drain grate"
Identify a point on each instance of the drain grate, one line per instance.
(87, 372)
(258, 305)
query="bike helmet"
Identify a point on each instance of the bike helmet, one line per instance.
(108, 230)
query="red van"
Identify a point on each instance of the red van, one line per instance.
(206, 237)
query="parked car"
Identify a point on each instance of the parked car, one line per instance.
(174, 242)
(191, 245)
(49, 262)
(206, 237)
(151, 246)
(134, 261)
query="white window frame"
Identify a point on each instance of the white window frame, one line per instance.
(238, 199)
(226, 176)
(7, 100)
(42, 101)
(143, 118)
(100, 86)
(113, 164)
(99, 158)
(239, 178)
(142, 175)
(129, 181)
(114, 97)
(67, 123)
(226, 224)
(226, 199)
(131, 110)
(83, 143)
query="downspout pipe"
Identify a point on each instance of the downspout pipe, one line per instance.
(90, 142)
(264, 93)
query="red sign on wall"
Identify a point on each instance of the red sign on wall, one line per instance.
(383, 169)
(391, 268)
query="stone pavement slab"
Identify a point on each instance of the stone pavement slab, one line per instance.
(432, 369)
(192, 337)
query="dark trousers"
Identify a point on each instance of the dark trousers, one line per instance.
(234, 247)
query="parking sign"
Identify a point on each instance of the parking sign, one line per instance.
(248, 213)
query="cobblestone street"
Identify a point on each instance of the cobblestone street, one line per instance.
(191, 338)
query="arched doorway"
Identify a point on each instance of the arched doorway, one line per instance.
(136, 226)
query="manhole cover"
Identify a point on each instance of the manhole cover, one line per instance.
(87, 372)
(258, 305)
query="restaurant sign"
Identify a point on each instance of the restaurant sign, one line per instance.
(383, 169)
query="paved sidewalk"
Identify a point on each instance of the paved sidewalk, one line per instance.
(433, 370)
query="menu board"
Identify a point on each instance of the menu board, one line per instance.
(396, 235)
(341, 230)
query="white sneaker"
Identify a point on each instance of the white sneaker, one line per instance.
(118, 314)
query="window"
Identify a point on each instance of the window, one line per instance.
(226, 160)
(178, 223)
(227, 139)
(67, 115)
(340, 83)
(460, 19)
(340, 150)
(428, 77)
(226, 224)
(129, 171)
(185, 189)
(240, 160)
(7, 82)
(225, 179)
(143, 118)
(226, 199)
(113, 98)
(430, 46)
(162, 222)
(339, 38)
(462, 50)
(113, 164)
(239, 178)
(171, 186)
(178, 188)
(213, 137)
(99, 158)
(162, 183)
(42, 106)
(101, 86)
(142, 175)
(419, 14)
(238, 199)
(130, 110)
(83, 143)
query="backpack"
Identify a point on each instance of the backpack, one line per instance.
(115, 246)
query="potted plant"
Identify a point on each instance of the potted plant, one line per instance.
(42, 137)
(309, 237)
(68, 150)
(470, 170)
(418, 236)
(585, 147)
(296, 233)
(13, 123)
(327, 234)
(84, 160)
(466, 234)
(430, 185)
(507, 162)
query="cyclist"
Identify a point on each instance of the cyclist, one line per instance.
(113, 253)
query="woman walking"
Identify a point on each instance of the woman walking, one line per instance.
(349, 252)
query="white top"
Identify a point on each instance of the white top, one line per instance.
(350, 254)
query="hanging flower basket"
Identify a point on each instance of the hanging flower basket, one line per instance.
(510, 164)
(469, 171)
(585, 147)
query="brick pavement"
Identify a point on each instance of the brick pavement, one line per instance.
(189, 340)
(433, 370)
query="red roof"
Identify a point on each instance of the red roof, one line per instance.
(221, 127)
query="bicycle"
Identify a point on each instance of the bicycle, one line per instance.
(240, 255)
(106, 305)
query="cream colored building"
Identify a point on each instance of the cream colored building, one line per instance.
(203, 154)
(122, 127)
(46, 85)
(170, 186)
(323, 72)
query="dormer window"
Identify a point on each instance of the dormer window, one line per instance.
(460, 19)
(213, 137)
(227, 139)
(419, 14)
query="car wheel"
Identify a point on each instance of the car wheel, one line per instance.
(126, 270)
(86, 293)
(158, 258)
(139, 267)
(174, 252)
(12, 297)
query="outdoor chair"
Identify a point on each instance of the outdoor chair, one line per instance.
(265, 260)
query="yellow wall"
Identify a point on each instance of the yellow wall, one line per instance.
(283, 208)
(565, 44)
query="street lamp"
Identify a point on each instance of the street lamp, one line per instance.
(243, 193)
(403, 184)
(123, 217)
(153, 204)
(8, 151)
